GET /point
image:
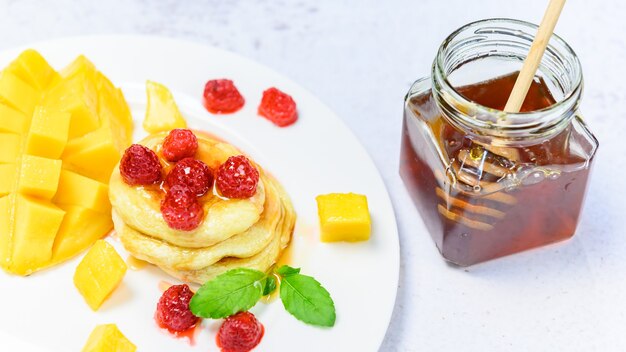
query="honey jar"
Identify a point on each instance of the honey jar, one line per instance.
(488, 183)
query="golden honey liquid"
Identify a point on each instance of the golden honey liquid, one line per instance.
(535, 214)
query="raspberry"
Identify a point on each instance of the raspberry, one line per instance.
(222, 97)
(173, 309)
(140, 166)
(179, 144)
(193, 174)
(278, 107)
(237, 178)
(240, 333)
(181, 209)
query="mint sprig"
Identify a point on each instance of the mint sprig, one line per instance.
(240, 289)
(231, 292)
(306, 299)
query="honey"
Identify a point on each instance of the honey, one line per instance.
(485, 183)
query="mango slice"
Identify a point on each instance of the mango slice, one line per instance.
(7, 175)
(93, 155)
(36, 225)
(114, 112)
(80, 228)
(12, 121)
(33, 69)
(78, 96)
(39, 177)
(343, 217)
(80, 66)
(17, 94)
(162, 113)
(99, 273)
(48, 133)
(6, 230)
(108, 338)
(75, 189)
(11, 145)
(61, 135)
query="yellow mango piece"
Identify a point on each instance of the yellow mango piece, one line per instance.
(77, 95)
(80, 66)
(6, 230)
(9, 147)
(114, 113)
(75, 189)
(12, 121)
(48, 133)
(93, 155)
(17, 94)
(36, 225)
(108, 338)
(33, 69)
(39, 177)
(99, 273)
(7, 178)
(343, 217)
(162, 113)
(80, 228)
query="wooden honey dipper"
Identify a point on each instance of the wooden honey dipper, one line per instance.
(462, 211)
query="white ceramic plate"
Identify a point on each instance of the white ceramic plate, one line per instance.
(316, 155)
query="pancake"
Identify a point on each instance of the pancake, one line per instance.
(139, 207)
(243, 245)
(261, 261)
(234, 233)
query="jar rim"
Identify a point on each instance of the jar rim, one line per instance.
(511, 124)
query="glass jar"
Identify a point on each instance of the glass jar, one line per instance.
(489, 183)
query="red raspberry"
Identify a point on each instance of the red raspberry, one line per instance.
(173, 309)
(237, 178)
(222, 97)
(278, 107)
(192, 173)
(179, 143)
(181, 209)
(140, 166)
(240, 333)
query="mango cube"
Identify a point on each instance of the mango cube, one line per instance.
(108, 338)
(16, 93)
(48, 133)
(80, 228)
(39, 176)
(162, 113)
(10, 149)
(343, 217)
(36, 225)
(93, 155)
(7, 178)
(33, 69)
(12, 121)
(99, 273)
(75, 189)
(78, 96)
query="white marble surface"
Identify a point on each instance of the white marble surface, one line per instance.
(360, 58)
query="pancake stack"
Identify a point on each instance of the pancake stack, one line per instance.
(235, 233)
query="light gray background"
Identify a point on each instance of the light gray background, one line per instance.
(360, 57)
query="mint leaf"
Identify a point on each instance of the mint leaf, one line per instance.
(306, 299)
(269, 285)
(233, 291)
(286, 270)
